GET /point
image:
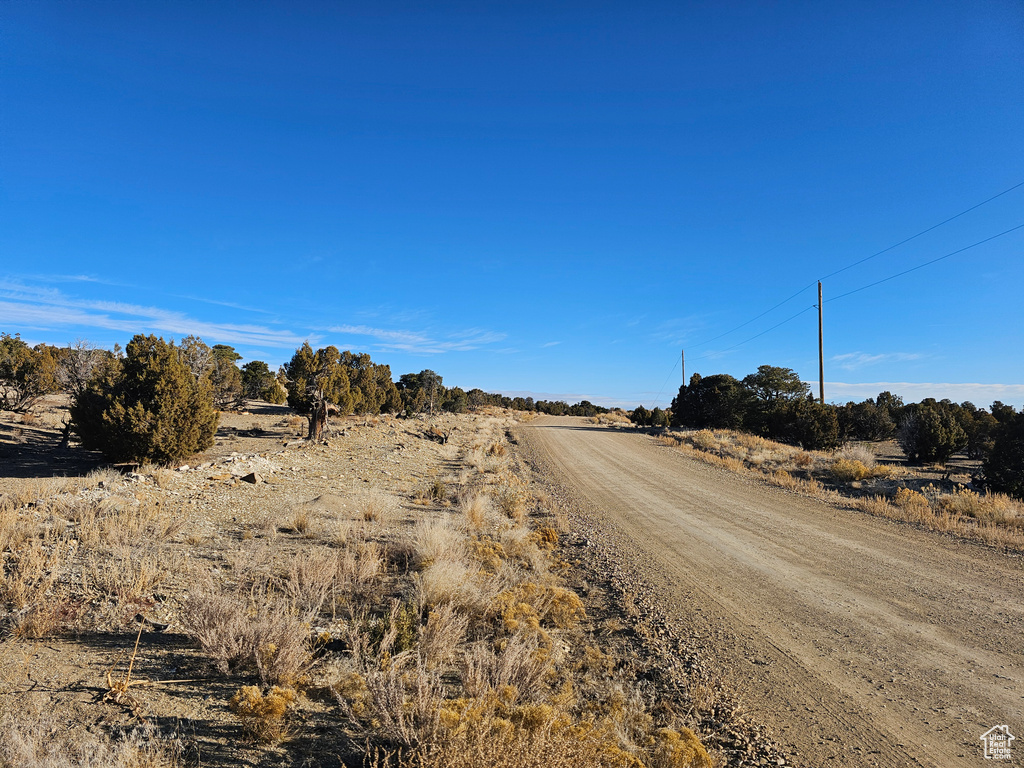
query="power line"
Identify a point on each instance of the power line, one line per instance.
(662, 390)
(927, 263)
(856, 290)
(923, 232)
(762, 333)
(859, 262)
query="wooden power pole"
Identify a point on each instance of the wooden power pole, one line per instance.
(821, 350)
(682, 362)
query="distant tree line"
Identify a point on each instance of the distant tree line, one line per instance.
(159, 401)
(774, 403)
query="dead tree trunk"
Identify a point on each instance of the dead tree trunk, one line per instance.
(317, 420)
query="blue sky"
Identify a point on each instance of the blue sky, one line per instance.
(549, 198)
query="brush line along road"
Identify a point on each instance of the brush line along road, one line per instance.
(858, 641)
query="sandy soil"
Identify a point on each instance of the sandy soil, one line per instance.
(857, 640)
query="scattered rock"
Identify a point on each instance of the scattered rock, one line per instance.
(252, 477)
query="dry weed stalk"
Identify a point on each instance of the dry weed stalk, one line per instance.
(118, 690)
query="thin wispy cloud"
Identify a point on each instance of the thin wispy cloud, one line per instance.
(50, 309)
(852, 361)
(228, 304)
(550, 344)
(419, 342)
(678, 331)
(72, 279)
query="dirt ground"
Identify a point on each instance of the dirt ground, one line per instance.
(856, 640)
(217, 522)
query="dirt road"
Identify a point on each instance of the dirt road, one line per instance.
(857, 641)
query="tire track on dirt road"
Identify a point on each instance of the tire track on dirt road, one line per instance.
(858, 641)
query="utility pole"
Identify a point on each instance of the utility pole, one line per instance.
(682, 361)
(821, 350)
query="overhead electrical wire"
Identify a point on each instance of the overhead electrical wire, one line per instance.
(855, 290)
(861, 261)
(925, 264)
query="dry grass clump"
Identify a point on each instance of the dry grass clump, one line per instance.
(360, 569)
(678, 749)
(124, 574)
(704, 439)
(263, 714)
(42, 740)
(495, 732)
(104, 477)
(378, 506)
(995, 508)
(803, 460)
(442, 634)
(252, 632)
(857, 452)
(162, 477)
(311, 576)
(437, 541)
(34, 602)
(434, 492)
(13, 529)
(474, 508)
(451, 581)
(847, 470)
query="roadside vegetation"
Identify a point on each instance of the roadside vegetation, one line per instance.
(774, 404)
(853, 476)
(419, 618)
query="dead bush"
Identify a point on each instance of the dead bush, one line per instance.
(442, 634)
(34, 739)
(311, 575)
(520, 662)
(398, 702)
(255, 632)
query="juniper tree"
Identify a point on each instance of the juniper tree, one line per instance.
(146, 407)
(1004, 466)
(26, 373)
(317, 384)
(260, 383)
(225, 378)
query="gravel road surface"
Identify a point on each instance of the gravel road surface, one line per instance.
(857, 641)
